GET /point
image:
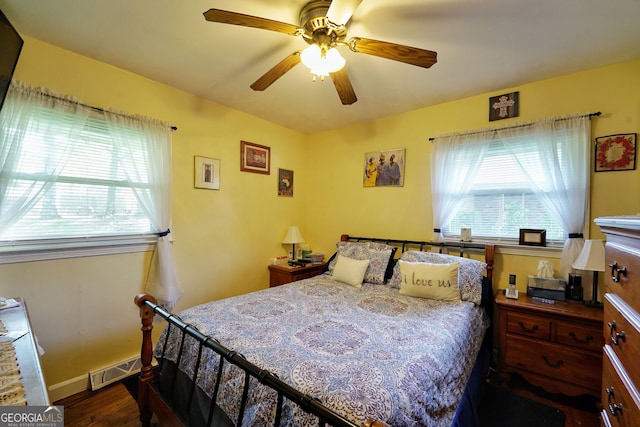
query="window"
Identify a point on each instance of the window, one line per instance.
(77, 181)
(499, 181)
(500, 202)
(86, 195)
(75, 177)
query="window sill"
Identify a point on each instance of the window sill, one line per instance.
(44, 251)
(533, 251)
(554, 250)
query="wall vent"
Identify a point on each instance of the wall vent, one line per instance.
(113, 373)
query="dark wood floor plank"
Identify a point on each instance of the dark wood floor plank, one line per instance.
(573, 417)
(110, 406)
(114, 406)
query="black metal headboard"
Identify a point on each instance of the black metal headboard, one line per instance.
(462, 248)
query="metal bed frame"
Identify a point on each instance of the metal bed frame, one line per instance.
(152, 401)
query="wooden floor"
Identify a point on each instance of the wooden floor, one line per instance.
(110, 406)
(573, 417)
(114, 406)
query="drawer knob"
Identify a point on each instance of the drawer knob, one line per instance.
(616, 272)
(617, 336)
(575, 338)
(614, 408)
(558, 364)
(529, 330)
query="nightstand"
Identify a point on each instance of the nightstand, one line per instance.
(554, 346)
(284, 273)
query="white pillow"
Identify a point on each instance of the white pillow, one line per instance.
(424, 280)
(350, 271)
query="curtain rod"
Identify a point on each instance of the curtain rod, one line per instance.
(97, 109)
(598, 113)
(102, 110)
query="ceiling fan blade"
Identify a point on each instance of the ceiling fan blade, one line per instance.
(397, 52)
(343, 86)
(226, 17)
(341, 11)
(276, 72)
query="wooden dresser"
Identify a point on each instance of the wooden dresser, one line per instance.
(554, 346)
(621, 361)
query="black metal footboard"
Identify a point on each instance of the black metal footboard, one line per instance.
(148, 309)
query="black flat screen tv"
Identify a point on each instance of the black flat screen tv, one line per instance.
(10, 47)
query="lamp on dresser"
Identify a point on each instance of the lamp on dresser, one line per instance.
(293, 236)
(591, 258)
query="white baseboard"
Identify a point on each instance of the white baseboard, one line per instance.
(68, 388)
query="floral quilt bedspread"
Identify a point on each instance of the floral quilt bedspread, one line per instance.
(364, 352)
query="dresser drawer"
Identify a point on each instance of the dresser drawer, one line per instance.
(576, 366)
(628, 287)
(584, 336)
(620, 399)
(622, 326)
(531, 326)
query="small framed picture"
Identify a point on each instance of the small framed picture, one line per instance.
(616, 152)
(285, 182)
(504, 106)
(255, 158)
(206, 173)
(533, 237)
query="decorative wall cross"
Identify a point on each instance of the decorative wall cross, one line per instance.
(503, 106)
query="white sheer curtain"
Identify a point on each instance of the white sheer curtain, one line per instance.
(455, 159)
(144, 146)
(22, 106)
(33, 118)
(558, 173)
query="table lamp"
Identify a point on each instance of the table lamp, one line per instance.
(293, 236)
(591, 258)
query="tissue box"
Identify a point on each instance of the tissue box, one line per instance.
(546, 287)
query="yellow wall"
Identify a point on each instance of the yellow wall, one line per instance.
(406, 212)
(82, 309)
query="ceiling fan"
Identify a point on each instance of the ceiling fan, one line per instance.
(323, 25)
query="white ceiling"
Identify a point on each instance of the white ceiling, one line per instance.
(483, 46)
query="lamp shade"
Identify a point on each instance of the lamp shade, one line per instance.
(320, 61)
(591, 258)
(293, 236)
(311, 56)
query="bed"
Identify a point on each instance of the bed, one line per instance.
(395, 332)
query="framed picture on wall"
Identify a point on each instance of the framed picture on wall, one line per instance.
(255, 158)
(504, 106)
(285, 182)
(384, 168)
(206, 173)
(616, 152)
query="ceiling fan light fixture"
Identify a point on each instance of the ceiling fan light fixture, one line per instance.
(311, 56)
(320, 61)
(323, 25)
(335, 61)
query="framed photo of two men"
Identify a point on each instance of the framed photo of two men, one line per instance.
(384, 168)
